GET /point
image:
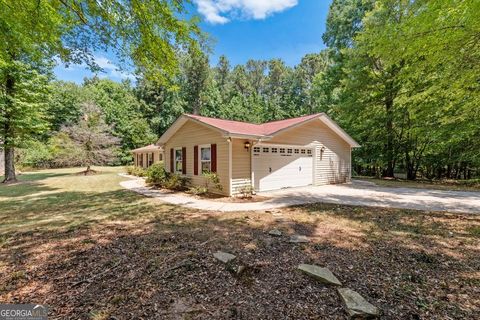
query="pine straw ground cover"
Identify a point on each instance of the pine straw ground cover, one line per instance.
(90, 250)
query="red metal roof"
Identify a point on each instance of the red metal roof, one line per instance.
(264, 129)
(149, 148)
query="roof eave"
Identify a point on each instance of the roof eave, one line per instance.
(179, 123)
(246, 136)
(338, 130)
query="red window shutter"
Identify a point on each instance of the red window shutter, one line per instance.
(171, 160)
(213, 150)
(195, 160)
(184, 160)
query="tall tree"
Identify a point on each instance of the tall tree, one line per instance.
(437, 43)
(65, 103)
(222, 76)
(93, 138)
(196, 73)
(275, 87)
(310, 66)
(368, 86)
(143, 32)
(23, 111)
(123, 112)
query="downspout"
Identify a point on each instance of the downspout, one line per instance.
(252, 174)
(229, 140)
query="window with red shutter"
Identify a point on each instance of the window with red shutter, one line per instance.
(214, 158)
(195, 160)
(172, 169)
(184, 160)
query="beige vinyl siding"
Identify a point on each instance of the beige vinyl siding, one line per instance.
(240, 160)
(334, 166)
(157, 156)
(241, 157)
(192, 134)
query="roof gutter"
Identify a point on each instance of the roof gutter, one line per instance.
(246, 136)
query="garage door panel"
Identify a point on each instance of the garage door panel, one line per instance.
(275, 171)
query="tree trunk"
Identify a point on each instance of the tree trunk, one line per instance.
(10, 175)
(390, 157)
(411, 168)
(8, 138)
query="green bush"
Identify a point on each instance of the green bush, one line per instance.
(35, 154)
(135, 171)
(197, 190)
(212, 178)
(246, 191)
(175, 182)
(156, 174)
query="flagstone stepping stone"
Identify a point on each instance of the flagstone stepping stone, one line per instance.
(275, 233)
(357, 306)
(298, 239)
(224, 257)
(321, 274)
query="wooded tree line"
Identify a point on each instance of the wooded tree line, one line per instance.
(402, 77)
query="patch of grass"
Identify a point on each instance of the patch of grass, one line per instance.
(454, 185)
(63, 199)
(474, 231)
(117, 299)
(99, 315)
(17, 275)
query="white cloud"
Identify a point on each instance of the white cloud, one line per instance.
(221, 11)
(111, 69)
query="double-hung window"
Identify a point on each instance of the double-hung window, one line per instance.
(178, 160)
(150, 159)
(205, 158)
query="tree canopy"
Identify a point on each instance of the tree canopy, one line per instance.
(400, 76)
(146, 34)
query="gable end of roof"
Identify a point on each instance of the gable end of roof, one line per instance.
(230, 128)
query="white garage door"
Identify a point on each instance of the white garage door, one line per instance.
(277, 167)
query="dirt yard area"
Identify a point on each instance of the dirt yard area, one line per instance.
(90, 250)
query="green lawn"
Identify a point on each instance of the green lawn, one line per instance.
(455, 185)
(91, 250)
(61, 199)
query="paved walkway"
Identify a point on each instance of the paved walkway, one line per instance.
(358, 193)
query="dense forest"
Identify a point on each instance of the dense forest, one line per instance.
(401, 77)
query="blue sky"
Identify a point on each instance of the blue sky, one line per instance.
(242, 30)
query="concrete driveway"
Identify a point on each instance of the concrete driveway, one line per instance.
(368, 194)
(358, 193)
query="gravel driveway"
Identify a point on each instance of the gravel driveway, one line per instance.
(369, 194)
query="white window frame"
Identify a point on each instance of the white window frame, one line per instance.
(200, 161)
(175, 160)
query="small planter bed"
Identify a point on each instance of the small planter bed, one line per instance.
(213, 196)
(158, 179)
